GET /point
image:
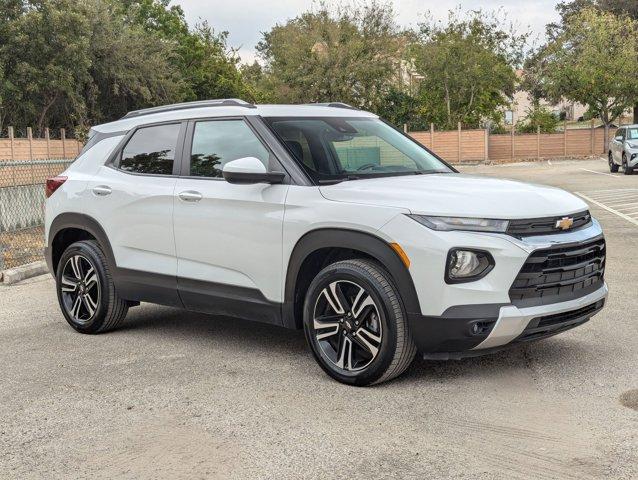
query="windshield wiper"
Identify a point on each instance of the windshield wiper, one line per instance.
(429, 172)
(333, 181)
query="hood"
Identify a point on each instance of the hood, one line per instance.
(458, 195)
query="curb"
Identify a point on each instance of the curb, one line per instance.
(15, 275)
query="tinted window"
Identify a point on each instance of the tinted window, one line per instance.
(151, 150)
(220, 141)
(336, 148)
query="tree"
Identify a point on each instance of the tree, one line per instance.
(207, 66)
(538, 116)
(44, 49)
(618, 7)
(130, 68)
(349, 55)
(592, 62)
(401, 108)
(71, 63)
(468, 69)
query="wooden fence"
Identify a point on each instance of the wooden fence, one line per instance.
(456, 146)
(30, 148)
(460, 145)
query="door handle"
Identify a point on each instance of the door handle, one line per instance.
(102, 190)
(190, 196)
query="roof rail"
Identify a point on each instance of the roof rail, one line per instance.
(334, 105)
(222, 102)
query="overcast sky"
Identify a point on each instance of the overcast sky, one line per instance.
(246, 19)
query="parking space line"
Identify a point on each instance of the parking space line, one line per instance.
(599, 173)
(623, 205)
(609, 196)
(609, 209)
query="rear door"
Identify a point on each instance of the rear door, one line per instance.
(133, 197)
(228, 237)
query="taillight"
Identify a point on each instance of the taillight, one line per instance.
(53, 184)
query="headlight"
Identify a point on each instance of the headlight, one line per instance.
(467, 265)
(458, 223)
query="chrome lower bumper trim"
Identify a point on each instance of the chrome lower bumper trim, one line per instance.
(513, 320)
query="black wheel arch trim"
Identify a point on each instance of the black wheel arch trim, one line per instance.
(367, 243)
(131, 285)
(79, 221)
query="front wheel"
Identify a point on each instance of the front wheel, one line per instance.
(86, 292)
(613, 168)
(625, 164)
(356, 325)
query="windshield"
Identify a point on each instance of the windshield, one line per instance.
(338, 148)
(632, 134)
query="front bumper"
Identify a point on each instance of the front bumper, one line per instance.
(453, 336)
(478, 317)
(512, 321)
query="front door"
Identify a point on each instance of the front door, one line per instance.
(228, 237)
(617, 145)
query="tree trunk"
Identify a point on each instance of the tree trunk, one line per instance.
(43, 114)
(636, 113)
(604, 116)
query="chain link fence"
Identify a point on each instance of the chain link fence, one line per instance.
(22, 209)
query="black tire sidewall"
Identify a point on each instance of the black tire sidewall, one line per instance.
(82, 248)
(389, 339)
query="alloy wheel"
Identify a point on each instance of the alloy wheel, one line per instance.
(80, 287)
(347, 326)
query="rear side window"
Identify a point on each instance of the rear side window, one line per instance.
(151, 150)
(217, 142)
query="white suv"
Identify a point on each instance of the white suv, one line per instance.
(320, 217)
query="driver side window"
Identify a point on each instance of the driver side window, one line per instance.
(217, 142)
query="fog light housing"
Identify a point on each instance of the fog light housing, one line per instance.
(467, 265)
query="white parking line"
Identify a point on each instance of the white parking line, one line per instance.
(588, 198)
(599, 173)
(614, 196)
(623, 206)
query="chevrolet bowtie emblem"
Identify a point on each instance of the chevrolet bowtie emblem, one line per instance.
(564, 223)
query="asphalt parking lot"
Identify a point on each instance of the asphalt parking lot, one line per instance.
(180, 395)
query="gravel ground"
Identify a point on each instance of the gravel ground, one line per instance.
(180, 395)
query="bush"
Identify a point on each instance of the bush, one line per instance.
(538, 116)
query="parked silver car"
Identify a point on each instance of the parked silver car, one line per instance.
(623, 150)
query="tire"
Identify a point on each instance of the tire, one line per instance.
(363, 337)
(613, 168)
(85, 289)
(626, 169)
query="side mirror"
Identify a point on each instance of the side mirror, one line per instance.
(619, 138)
(250, 170)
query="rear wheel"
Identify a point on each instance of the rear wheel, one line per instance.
(86, 292)
(625, 165)
(355, 323)
(613, 168)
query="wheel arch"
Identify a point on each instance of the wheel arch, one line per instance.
(319, 247)
(68, 228)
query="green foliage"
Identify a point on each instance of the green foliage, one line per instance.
(593, 61)
(72, 63)
(468, 69)
(348, 55)
(538, 116)
(400, 108)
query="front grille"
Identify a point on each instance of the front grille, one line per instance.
(560, 273)
(546, 225)
(559, 322)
